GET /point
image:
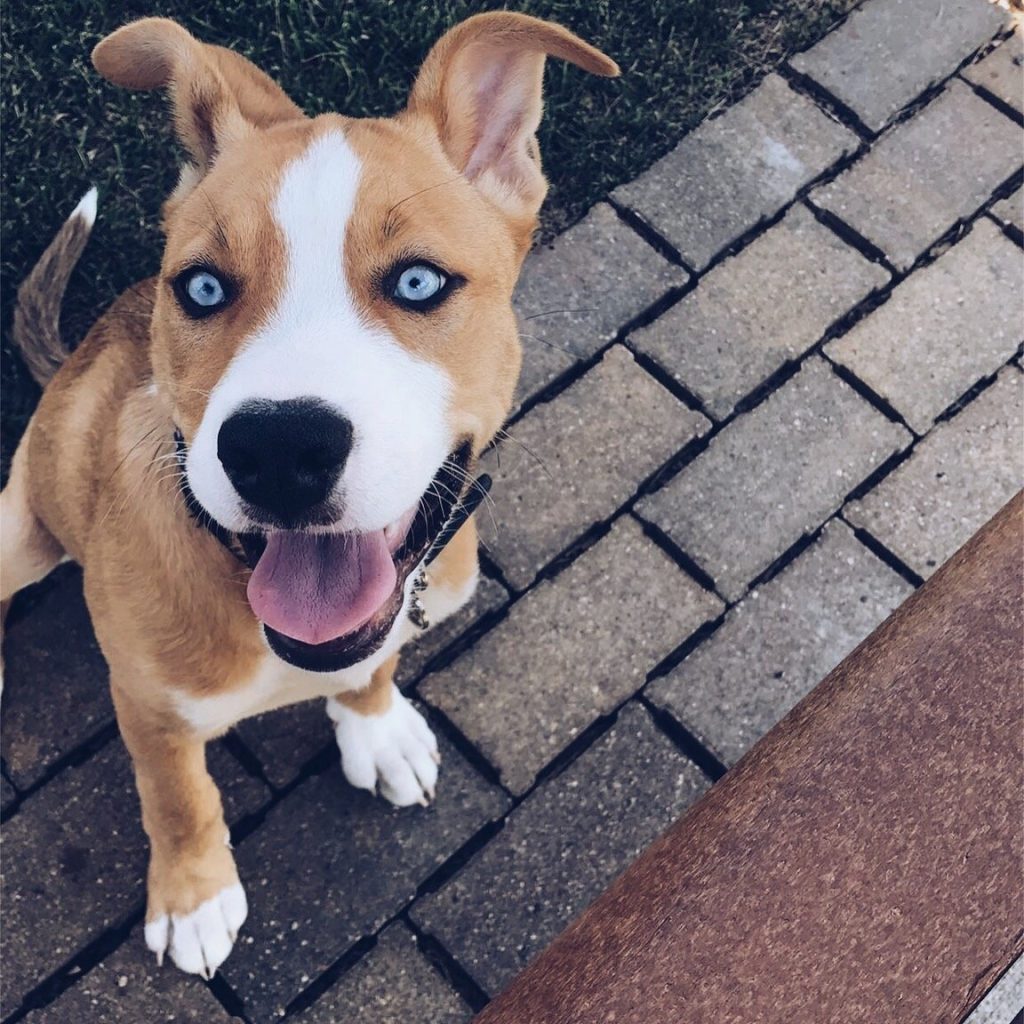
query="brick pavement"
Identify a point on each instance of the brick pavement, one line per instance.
(769, 387)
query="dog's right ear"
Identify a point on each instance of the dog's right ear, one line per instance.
(218, 96)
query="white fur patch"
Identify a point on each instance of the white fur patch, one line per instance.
(201, 941)
(395, 752)
(86, 208)
(317, 345)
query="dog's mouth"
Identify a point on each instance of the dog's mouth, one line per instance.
(329, 600)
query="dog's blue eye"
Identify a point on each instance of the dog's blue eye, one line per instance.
(419, 283)
(205, 290)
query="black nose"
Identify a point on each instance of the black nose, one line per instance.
(284, 458)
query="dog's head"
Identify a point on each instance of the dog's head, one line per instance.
(333, 329)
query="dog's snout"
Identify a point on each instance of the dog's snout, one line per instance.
(284, 458)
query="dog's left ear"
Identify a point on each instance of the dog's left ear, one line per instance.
(218, 96)
(481, 87)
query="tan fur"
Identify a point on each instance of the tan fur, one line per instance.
(95, 475)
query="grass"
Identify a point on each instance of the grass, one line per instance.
(66, 129)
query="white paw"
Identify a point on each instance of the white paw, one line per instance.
(395, 751)
(200, 942)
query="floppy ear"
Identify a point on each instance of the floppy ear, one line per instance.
(481, 87)
(218, 96)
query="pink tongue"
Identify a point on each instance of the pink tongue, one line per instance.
(316, 587)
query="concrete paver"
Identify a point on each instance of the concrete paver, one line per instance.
(772, 476)
(779, 642)
(926, 174)
(129, 988)
(888, 52)
(560, 849)
(572, 650)
(953, 483)
(574, 461)
(735, 170)
(1002, 72)
(943, 329)
(757, 310)
(332, 863)
(392, 984)
(575, 294)
(56, 693)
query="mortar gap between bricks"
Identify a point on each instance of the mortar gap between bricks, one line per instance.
(454, 650)
(650, 235)
(448, 967)
(228, 998)
(1002, 106)
(669, 382)
(1012, 232)
(689, 565)
(327, 978)
(462, 744)
(852, 238)
(868, 394)
(685, 741)
(785, 560)
(806, 86)
(77, 966)
(956, 407)
(249, 762)
(680, 653)
(582, 366)
(577, 746)
(75, 758)
(883, 554)
(877, 475)
(460, 858)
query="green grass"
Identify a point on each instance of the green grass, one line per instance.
(66, 129)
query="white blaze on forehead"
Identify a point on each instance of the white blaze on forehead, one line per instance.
(316, 344)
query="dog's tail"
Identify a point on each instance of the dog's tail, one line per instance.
(37, 313)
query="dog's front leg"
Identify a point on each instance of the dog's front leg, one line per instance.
(195, 902)
(385, 742)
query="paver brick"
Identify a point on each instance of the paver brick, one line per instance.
(735, 170)
(129, 988)
(773, 475)
(332, 863)
(74, 859)
(572, 649)
(560, 849)
(575, 460)
(943, 329)
(958, 477)
(755, 311)
(56, 692)
(286, 739)
(392, 984)
(1002, 72)
(576, 293)
(926, 174)
(888, 52)
(1011, 210)
(779, 642)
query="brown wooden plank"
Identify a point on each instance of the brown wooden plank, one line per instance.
(861, 863)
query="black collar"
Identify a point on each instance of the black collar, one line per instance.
(236, 543)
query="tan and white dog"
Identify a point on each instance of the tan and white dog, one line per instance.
(328, 346)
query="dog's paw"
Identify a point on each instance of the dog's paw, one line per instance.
(395, 753)
(200, 941)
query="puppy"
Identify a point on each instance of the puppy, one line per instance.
(252, 454)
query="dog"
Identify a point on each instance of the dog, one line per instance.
(253, 454)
